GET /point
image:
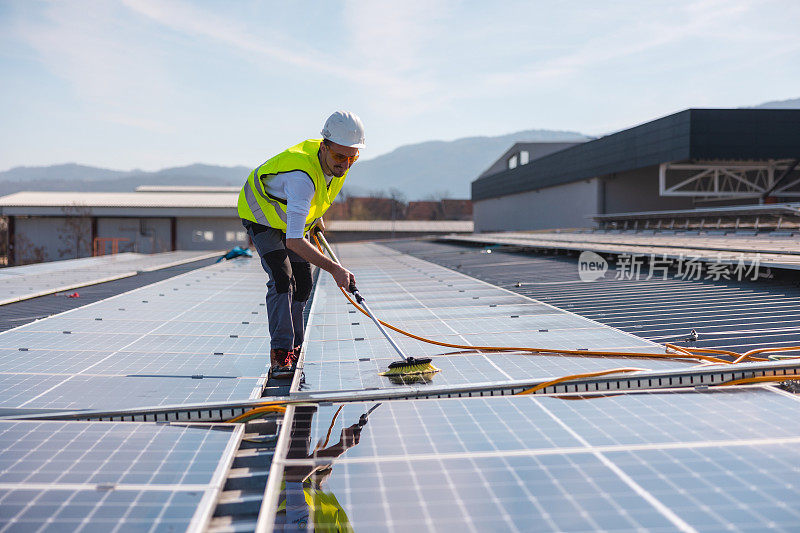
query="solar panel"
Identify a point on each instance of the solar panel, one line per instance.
(171, 342)
(46, 509)
(28, 281)
(523, 463)
(346, 351)
(100, 476)
(645, 461)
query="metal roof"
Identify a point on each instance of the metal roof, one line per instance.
(118, 199)
(407, 226)
(184, 188)
(775, 210)
(692, 134)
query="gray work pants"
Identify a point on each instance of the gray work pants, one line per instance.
(288, 285)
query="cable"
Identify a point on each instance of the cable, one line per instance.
(692, 353)
(546, 384)
(255, 413)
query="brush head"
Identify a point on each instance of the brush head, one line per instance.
(411, 366)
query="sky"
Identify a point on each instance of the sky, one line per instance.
(150, 84)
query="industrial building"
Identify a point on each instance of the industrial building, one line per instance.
(694, 158)
(48, 226)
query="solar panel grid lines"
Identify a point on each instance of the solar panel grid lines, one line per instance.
(29, 281)
(110, 476)
(225, 365)
(653, 309)
(569, 481)
(568, 487)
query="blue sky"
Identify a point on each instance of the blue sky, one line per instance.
(155, 83)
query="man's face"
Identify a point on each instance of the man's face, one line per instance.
(337, 158)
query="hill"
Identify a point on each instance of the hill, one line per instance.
(433, 168)
(441, 168)
(793, 103)
(73, 177)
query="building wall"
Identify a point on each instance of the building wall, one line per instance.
(39, 239)
(637, 190)
(145, 235)
(563, 206)
(209, 233)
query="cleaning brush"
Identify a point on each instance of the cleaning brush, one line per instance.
(407, 366)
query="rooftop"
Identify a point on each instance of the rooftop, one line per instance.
(192, 349)
(692, 134)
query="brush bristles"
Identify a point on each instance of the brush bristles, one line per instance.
(410, 370)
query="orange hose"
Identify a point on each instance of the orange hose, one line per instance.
(576, 376)
(256, 411)
(692, 353)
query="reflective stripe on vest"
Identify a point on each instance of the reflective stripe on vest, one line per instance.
(257, 205)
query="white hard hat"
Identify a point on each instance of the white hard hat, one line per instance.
(344, 128)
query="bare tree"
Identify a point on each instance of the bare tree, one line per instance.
(76, 233)
(25, 252)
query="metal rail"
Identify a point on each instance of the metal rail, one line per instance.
(653, 381)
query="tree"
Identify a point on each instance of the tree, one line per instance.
(76, 233)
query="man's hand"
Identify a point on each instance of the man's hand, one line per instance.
(350, 436)
(344, 278)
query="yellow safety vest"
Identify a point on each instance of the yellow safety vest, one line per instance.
(256, 205)
(324, 509)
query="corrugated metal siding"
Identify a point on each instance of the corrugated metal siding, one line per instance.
(691, 134)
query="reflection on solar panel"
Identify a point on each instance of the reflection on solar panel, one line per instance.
(626, 462)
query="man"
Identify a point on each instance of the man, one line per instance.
(280, 202)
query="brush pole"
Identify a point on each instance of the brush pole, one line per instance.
(360, 299)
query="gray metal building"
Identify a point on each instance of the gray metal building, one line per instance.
(697, 157)
(46, 226)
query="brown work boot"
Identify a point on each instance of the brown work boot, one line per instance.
(296, 355)
(281, 364)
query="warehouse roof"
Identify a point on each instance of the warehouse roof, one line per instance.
(401, 226)
(30, 203)
(119, 199)
(185, 188)
(692, 134)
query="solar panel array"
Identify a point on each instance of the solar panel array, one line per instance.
(198, 337)
(714, 460)
(78, 476)
(344, 349)
(193, 338)
(693, 461)
(726, 314)
(28, 281)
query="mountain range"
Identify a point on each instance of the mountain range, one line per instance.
(418, 171)
(433, 169)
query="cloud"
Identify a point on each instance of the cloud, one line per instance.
(189, 19)
(107, 64)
